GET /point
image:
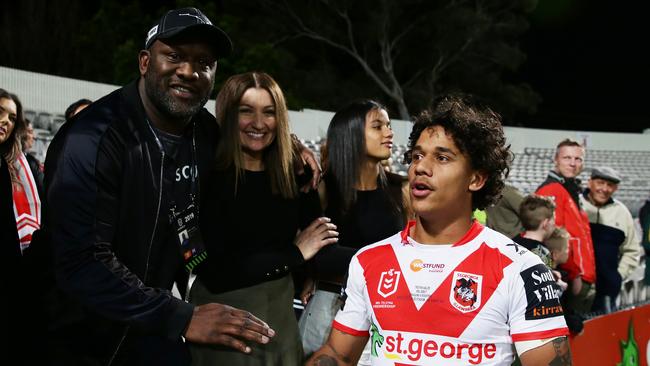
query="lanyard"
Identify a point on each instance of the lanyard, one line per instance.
(193, 167)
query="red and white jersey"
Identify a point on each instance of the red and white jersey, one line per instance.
(457, 304)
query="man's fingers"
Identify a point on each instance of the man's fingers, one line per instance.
(232, 342)
(248, 317)
(249, 323)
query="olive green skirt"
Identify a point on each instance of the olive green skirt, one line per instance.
(270, 301)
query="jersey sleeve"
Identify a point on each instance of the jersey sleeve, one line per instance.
(535, 310)
(354, 318)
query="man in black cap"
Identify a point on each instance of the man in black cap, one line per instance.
(123, 182)
(616, 246)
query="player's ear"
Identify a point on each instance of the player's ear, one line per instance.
(477, 180)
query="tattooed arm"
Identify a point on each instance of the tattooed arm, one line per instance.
(341, 349)
(553, 353)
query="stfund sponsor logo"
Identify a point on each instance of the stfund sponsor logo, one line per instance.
(465, 294)
(388, 282)
(417, 265)
(413, 348)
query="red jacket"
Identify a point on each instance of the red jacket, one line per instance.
(581, 260)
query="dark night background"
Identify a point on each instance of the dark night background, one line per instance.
(585, 60)
(588, 61)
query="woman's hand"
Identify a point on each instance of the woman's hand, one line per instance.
(306, 157)
(319, 233)
(308, 289)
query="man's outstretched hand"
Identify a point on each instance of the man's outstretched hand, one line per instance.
(224, 325)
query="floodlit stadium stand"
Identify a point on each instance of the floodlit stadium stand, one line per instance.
(531, 166)
(45, 98)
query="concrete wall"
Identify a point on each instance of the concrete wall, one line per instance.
(53, 94)
(46, 93)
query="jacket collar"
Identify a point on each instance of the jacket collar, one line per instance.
(556, 176)
(560, 178)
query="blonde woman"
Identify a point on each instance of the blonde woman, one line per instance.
(251, 211)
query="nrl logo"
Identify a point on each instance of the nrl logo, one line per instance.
(388, 282)
(465, 294)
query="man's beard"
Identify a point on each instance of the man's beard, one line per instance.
(165, 103)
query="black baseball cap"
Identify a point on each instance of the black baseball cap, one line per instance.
(178, 21)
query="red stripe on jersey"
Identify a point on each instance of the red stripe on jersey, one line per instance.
(545, 334)
(472, 233)
(397, 311)
(348, 330)
(405, 233)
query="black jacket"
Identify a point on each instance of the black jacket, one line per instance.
(11, 269)
(107, 216)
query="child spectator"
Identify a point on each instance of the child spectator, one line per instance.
(558, 247)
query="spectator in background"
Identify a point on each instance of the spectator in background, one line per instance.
(34, 164)
(19, 217)
(616, 244)
(503, 216)
(76, 107)
(366, 203)
(26, 199)
(537, 215)
(563, 185)
(644, 220)
(116, 176)
(558, 246)
(252, 209)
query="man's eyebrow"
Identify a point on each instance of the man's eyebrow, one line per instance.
(439, 149)
(445, 150)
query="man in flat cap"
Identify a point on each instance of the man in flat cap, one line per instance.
(616, 245)
(123, 182)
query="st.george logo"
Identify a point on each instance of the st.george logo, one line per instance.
(465, 294)
(388, 282)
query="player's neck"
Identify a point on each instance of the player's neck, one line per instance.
(442, 230)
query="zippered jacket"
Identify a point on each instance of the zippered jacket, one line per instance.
(568, 214)
(108, 221)
(615, 240)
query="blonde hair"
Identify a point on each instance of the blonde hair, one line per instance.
(558, 240)
(568, 142)
(279, 156)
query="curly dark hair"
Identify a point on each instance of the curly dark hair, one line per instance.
(477, 132)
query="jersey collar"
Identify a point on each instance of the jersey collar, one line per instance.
(472, 233)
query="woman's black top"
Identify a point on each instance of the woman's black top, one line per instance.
(377, 214)
(249, 236)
